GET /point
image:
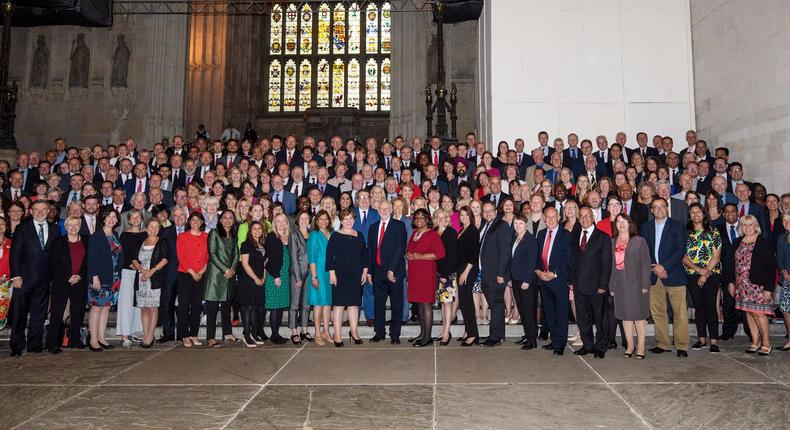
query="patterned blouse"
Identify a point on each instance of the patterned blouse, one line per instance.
(700, 245)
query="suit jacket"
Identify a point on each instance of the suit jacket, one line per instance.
(303, 187)
(288, 199)
(99, 258)
(763, 268)
(639, 212)
(561, 258)
(727, 248)
(224, 160)
(372, 218)
(575, 164)
(223, 253)
(522, 264)
(84, 230)
(27, 257)
(530, 175)
(60, 263)
(671, 250)
(679, 211)
(181, 181)
(169, 235)
(591, 267)
(534, 232)
(329, 191)
(490, 198)
(393, 248)
(442, 157)
(496, 252)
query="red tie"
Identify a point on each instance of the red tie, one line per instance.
(584, 241)
(230, 161)
(16, 194)
(545, 255)
(139, 185)
(381, 239)
(625, 208)
(436, 158)
(289, 157)
(742, 211)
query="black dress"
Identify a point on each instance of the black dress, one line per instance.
(347, 256)
(248, 293)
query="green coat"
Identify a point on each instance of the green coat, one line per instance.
(222, 255)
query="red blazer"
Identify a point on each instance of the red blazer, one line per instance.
(605, 225)
(5, 260)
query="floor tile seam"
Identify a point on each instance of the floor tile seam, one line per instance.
(89, 388)
(435, 381)
(262, 387)
(622, 399)
(757, 371)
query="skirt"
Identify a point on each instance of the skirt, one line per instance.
(146, 296)
(784, 297)
(749, 298)
(445, 291)
(477, 287)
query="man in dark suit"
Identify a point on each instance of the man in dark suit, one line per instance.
(638, 212)
(90, 216)
(496, 196)
(643, 149)
(168, 294)
(290, 154)
(732, 316)
(16, 190)
(572, 156)
(280, 194)
(298, 185)
(364, 217)
(231, 158)
(387, 247)
(554, 269)
(496, 242)
(436, 153)
(30, 251)
(592, 266)
(666, 239)
(326, 189)
(746, 207)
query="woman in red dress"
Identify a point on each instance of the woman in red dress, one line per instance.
(424, 248)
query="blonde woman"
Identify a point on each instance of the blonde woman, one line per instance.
(278, 275)
(328, 204)
(447, 290)
(377, 195)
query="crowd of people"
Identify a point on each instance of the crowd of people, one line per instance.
(246, 230)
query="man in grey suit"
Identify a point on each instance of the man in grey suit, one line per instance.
(678, 210)
(496, 241)
(537, 156)
(280, 194)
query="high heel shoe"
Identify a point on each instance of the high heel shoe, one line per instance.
(106, 345)
(628, 354)
(338, 344)
(474, 342)
(423, 343)
(306, 336)
(249, 342)
(444, 342)
(752, 349)
(640, 356)
(258, 340)
(99, 349)
(357, 341)
(296, 340)
(195, 341)
(765, 351)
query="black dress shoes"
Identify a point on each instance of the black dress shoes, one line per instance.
(395, 341)
(659, 350)
(548, 346)
(599, 354)
(581, 352)
(423, 343)
(613, 345)
(466, 342)
(377, 338)
(165, 339)
(682, 353)
(528, 345)
(16, 353)
(544, 334)
(489, 342)
(559, 352)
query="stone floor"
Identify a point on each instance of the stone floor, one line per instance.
(383, 386)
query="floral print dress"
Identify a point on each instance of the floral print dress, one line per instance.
(107, 295)
(748, 296)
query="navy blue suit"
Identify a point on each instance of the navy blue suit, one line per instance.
(671, 250)
(363, 228)
(391, 258)
(287, 198)
(29, 261)
(168, 296)
(522, 269)
(554, 293)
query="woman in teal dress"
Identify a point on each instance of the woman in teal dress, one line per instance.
(278, 266)
(319, 291)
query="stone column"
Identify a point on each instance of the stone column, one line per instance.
(411, 34)
(243, 70)
(206, 73)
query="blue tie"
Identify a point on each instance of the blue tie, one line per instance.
(733, 234)
(573, 153)
(276, 197)
(41, 235)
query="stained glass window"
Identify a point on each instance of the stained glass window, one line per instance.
(339, 30)
(372, 29)
(371, 85)
(338, 83)
(354, 16)
(386, 26)
(306, 32)
(328, 54)
(289, 86)
(274, 86)
(305, 87)
(385, 84)
(322, 84)
(323, 28)
(291, 16)
(276, 31)
(353, 83)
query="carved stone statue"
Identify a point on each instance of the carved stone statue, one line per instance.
(39, 70)
(80, 63)
(120, 63)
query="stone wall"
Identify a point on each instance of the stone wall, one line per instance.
(150, 106)
(742, 83)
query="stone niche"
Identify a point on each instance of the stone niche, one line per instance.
(323, 123)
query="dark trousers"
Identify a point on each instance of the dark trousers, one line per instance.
(591, 312)
(704, 300)
(247, 321)
(495, 295)
(527, 304)
(732, 316)
(190, 294)
(383, 289)
(32, 300)
(556, 305)
(467, 304)
(167, 309)
(212, 308)
(275, 321)
(612, 323)
(77, 296)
